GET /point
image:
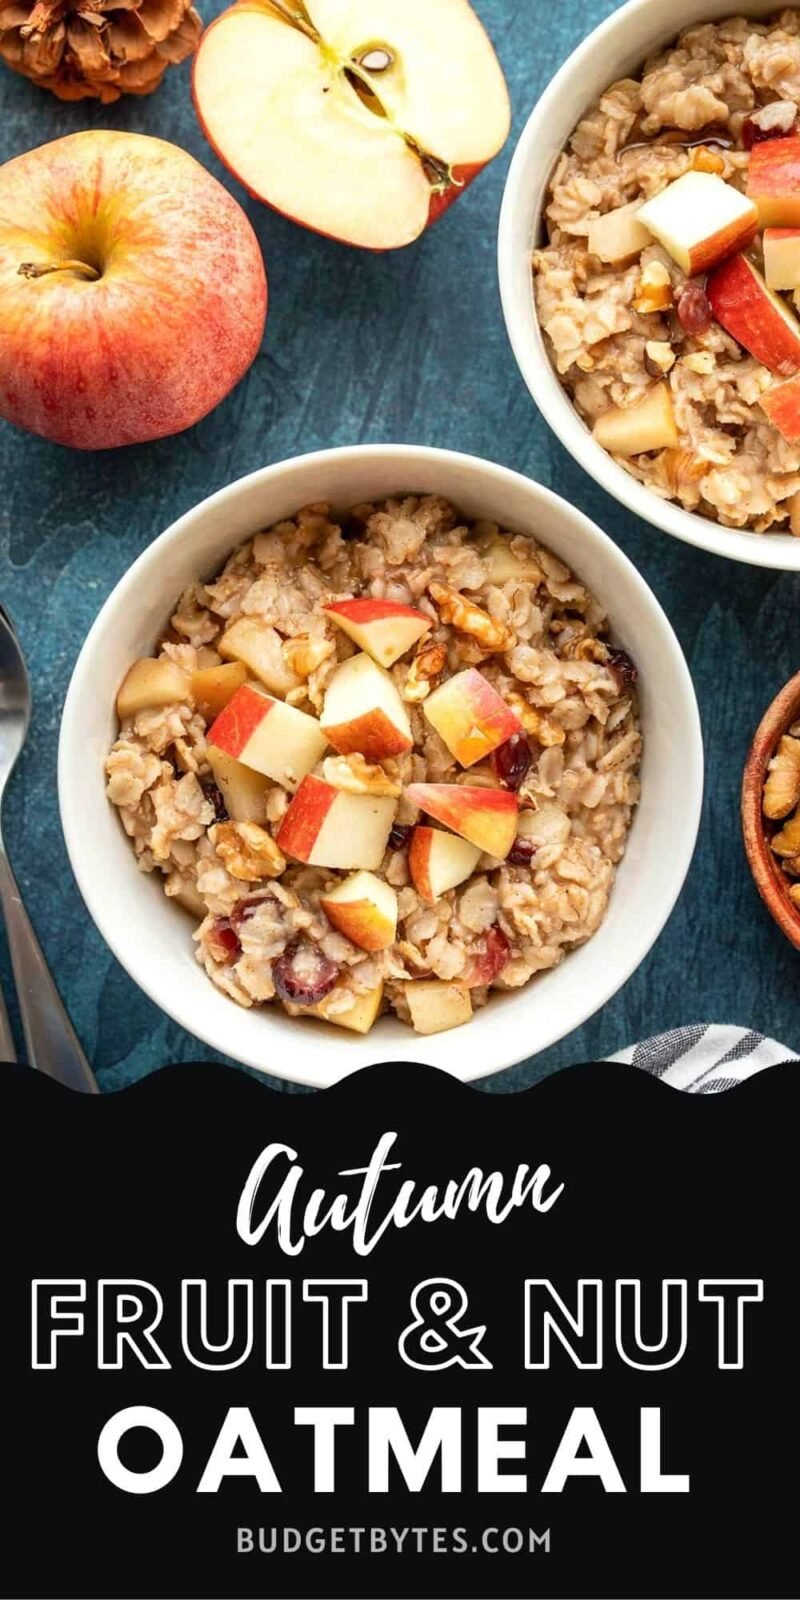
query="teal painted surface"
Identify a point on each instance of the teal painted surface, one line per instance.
(406, 347)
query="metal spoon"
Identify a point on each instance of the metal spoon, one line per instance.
(51, 1041)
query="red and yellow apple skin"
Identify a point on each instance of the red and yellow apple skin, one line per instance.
(381, 627)
(364, 909)
(754, 316)
(782, 406)
(470, 716)
(773, 182)
(173, 320)
(328, 827)
(486, 817)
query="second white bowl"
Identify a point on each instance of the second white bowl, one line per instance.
(153, 938)
(617, 49)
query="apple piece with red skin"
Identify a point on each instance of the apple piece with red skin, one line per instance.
(700, 220)
(754, 316)
(438, 861)
(364, 909)
(133, 290)
(773, 182)
(362, 121)
(486, 817)
(266, 734)
(327, 827)
(782, 406)
(380, 627)
(363, 711)
(782, 258)
(470, 716)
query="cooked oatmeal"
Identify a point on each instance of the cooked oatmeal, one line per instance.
(482, 880)
(629, 326)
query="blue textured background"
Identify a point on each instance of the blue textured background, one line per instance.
(406, 347)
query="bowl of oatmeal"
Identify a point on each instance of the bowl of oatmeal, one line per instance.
(771, 809)
(373, 756)
(646, 267)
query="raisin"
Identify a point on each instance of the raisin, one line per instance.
(489, 960)
(512, 760)
(623, 668)
(399, 836)
(522, 852)
(694, 310)
(214, 795)
(303, 975)
(753, 133)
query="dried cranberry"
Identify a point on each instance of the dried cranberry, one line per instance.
(303, 975)
(512, 760)
(399, 836)
(489, 960)
(694, 310)
(623, 668)
(223, 942)
(214, 794)
(522, 852)
(754, 133)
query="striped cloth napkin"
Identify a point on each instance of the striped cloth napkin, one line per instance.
(705, 1058)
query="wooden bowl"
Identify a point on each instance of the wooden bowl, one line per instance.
(772, 884)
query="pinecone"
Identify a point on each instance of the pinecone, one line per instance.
(84, 50)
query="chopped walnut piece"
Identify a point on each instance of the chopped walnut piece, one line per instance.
(357, 776)
(304, 654)
(654, 289)
(787, 841)
(247, 851)
(429, 661)
(534, 721)
(469, 618)
(782, 787)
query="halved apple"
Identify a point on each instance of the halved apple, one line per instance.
(486, 817)
(436, 1005)
(270, 736)
(364, 909)
(151, 682)
(618, 235)
(363, 711)
(362, 120)
(259, 646)
(213, 687)
(439, 861)
(243, 790)
(782, 405)
(782, 258)
(359, 1017)
(700, 220)
(385, 630)
(328, 827)
(754, 316)
(470, 716)
(649, 424)
(773, 182)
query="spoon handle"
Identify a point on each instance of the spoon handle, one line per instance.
(7, 1047)
(51, 1040)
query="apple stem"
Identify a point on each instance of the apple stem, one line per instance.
(40, 269)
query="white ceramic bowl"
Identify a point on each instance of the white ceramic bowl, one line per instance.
(152, 938)
(615, 50)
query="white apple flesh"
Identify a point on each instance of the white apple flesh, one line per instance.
(132, 290)
(362, 121)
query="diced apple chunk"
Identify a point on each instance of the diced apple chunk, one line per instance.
(782, 405)
(754, 316)
(439, 861)
(151, 683)
(359, 1017)
(364, 909)
(773, 182)
(700, 220)
(259, 646)
(647, 425)
(243, 790)
(470, 716)
(380, 627)
(274, 738)
(436, 1006)
(363, 711)
(619, 234)
(328, 827)
(782, 257)
(213, 687)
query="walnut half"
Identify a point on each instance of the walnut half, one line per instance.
(468, 618)
(247, 851)
(782, 788)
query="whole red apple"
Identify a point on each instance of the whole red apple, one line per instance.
(362, 121)
(132, 290)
